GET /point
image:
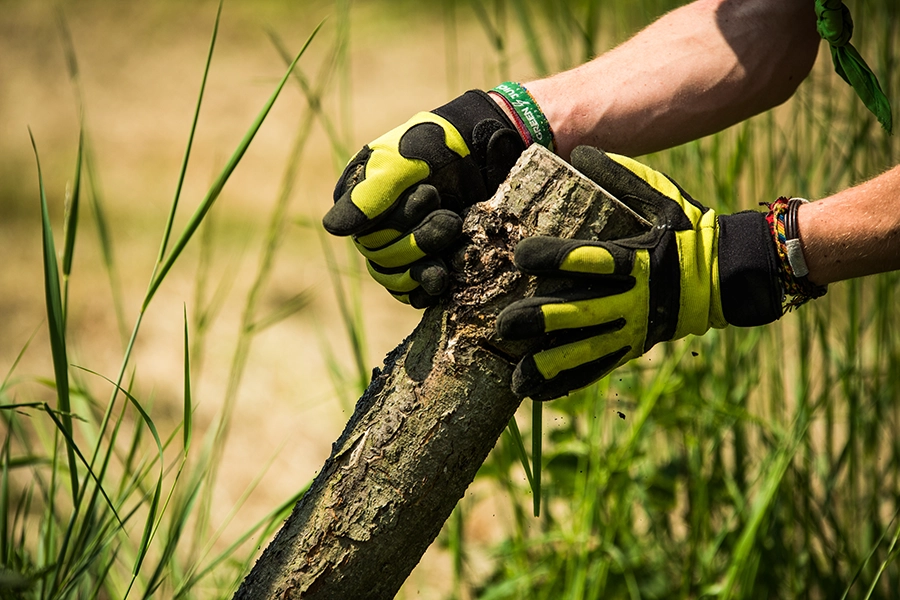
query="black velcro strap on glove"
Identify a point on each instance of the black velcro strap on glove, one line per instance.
(749, 283)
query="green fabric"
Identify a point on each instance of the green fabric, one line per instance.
(836, 27)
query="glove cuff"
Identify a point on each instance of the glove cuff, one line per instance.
(749, 281)
(467, 111)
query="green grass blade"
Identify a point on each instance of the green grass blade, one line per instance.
(537, 427)
(190, 143)
(70, 226)
(18, 359)
(869, 556)
(71, 58)
(71, 223)
(513, 430)
(4, 504)
(188, 410)
(74, 448)
(354, 326)
(213, 194)
(892, 554)
(103, 229)
(178, 521)
(21, 405)
(775, 471)
(55, 321)
(287, 309)
(154, 503)
(531, 38)
(313, 98)
(265, 524)
(105, 237)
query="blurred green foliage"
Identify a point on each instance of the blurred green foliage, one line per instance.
(757, 463)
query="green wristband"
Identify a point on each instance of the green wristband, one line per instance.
(527, 112)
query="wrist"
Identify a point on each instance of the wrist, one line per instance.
(792, 269)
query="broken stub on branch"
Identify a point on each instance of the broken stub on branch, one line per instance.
(435, 409)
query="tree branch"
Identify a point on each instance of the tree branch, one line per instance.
(433, 412)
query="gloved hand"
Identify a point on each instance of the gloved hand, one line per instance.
(691, 271)
(400, 197)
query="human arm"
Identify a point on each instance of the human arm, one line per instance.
(697, 70)
(853, 233)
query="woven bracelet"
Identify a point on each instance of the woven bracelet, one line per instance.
(531, 122)
(782, 219)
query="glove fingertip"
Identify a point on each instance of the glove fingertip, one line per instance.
(432, 276)
(541, 254)
(345, 218)
(521, 320)
(421, 200)
(419, 298)
(586, 155)
(503, 150)
(438, 230)
(527, 382)
(595, 164)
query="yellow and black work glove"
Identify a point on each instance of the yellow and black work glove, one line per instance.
(401, 196)
(691, 271)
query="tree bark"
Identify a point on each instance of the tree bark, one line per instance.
(433, 412)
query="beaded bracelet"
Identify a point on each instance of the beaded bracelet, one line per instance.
(531, 123)
(782, 220)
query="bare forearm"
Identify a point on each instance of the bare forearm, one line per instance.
(853, 233)
(695, 71)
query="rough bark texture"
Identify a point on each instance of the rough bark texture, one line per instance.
(436, 408)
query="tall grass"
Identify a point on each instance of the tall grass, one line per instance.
(110, 518)
(749, 463)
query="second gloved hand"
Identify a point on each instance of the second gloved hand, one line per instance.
(691, 271)
(401, 196)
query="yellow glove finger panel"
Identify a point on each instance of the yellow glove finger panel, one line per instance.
(379, 238)
(404, 251)
(584, 313)
(394, 282)
(587, 313)
(554, 361)
(388, 174)
(589, 259)
(660, 183)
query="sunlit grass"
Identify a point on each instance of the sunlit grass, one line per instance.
(118, 531)
(743, 464)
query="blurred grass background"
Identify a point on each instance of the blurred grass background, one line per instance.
(749, 463)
